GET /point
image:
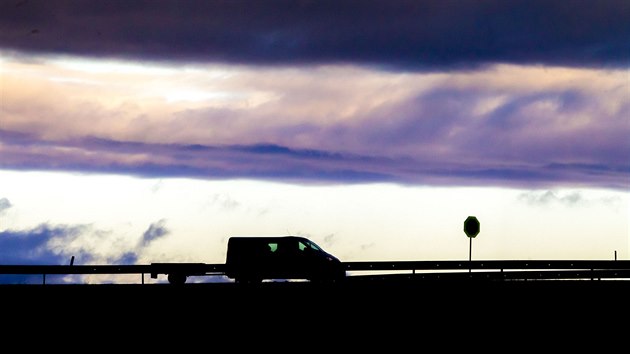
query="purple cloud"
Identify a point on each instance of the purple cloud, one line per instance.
(480, 165)
(502, 126)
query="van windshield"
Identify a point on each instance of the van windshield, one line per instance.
(303, 244)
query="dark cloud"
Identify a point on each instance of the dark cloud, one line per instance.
(409, 34)
(155, 231)
(31, 247)
(127, 258)
(56, 244)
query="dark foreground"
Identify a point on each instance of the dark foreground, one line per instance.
(357, 315)
(402, 297)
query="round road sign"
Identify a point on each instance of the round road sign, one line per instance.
(472, 226)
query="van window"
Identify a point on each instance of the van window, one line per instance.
(314, 246)
(308, 246)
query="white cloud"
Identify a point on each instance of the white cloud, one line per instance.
(547, 197)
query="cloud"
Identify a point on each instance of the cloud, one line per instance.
(504, 125)
(573, 198)
(155, 231)
(48, 244)
(55, 245)
(400, 34)
(550, 197)
(431, 166)
(157, 186)
(4, 205)
(127, 258)
(329, 240)
(32, 247)
(364, 247)
(224, 201)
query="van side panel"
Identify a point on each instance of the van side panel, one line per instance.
(284, 257)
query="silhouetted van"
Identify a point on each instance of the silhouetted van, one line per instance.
(252, 259)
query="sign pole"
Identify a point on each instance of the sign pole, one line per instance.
(470, 256)
(471, 228)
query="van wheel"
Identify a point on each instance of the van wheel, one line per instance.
(177, 279)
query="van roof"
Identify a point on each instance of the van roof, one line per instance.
(267, 238)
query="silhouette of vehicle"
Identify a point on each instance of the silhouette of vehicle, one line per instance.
(251, 259)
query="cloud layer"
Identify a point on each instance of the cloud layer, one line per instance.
(400, 34)
(509, 93)
(505, 125)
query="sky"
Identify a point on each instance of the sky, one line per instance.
(134, 132)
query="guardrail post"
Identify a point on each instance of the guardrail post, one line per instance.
(44, 279)
(142, 278)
